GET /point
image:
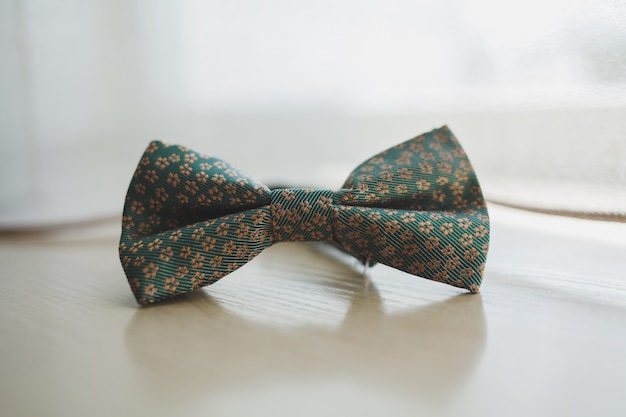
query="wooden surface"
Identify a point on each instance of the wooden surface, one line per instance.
(300, 331)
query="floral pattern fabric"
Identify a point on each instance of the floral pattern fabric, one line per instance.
(190, 219)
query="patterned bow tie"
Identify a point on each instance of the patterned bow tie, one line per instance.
(190, 219)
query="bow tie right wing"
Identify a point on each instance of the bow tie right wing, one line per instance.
(417, 207)
(430, 172)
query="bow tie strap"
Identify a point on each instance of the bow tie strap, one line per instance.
(190, 219)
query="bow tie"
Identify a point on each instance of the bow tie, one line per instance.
(190, 219)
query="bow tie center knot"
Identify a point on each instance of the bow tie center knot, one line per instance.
(300, 214)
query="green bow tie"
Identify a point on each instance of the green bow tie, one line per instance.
(189, 219)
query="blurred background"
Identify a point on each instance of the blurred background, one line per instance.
(302, 92)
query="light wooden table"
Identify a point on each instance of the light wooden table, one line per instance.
(300, 332)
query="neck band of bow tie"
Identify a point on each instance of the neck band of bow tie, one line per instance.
(190, 219)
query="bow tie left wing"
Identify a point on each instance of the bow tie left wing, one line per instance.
(174, 186)
(188, 220)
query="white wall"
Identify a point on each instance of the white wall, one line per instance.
(86, 84)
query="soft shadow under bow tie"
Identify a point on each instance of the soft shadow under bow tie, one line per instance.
(190, 219)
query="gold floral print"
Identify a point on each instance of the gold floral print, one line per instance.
(480, 231)
(222, 229)
(423, 184)
(216, 261)
(444, 167)
(182, 198)
(190, 219)
(191, 187)
(426, 168)
(471, 254)
(185, 170)
(324, 202)
(405, 173)
(466, 240)
(173, 179)
(151, 176)
(197, 234)
(185, 252)
(453, 263)
(373, 230)
(190, 158)
(448, 251)
(411, 249)
(155, 245)
(432, 243)
(467, 272)
(243, 252)
(392, 227)
(229, 247)
(150, 270)
(440, 276)
(382, 188)
(197, 279)
(446, 228)
(140, 188)
(402, 189)
(197, 261)
(434, 264)
(355, 220)
(171, 284)
(407, 217)
(176, 234)
(166, 254)
(136, 246)
(150, 289)
(417, 268)
(426, 227)
(137, 208)
(161, 163)
(161, 194)
(407, 235)
(243, 231)
(465, 223)
(218, 179)
(231, 189)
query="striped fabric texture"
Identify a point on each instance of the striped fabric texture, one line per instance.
(190, 219)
